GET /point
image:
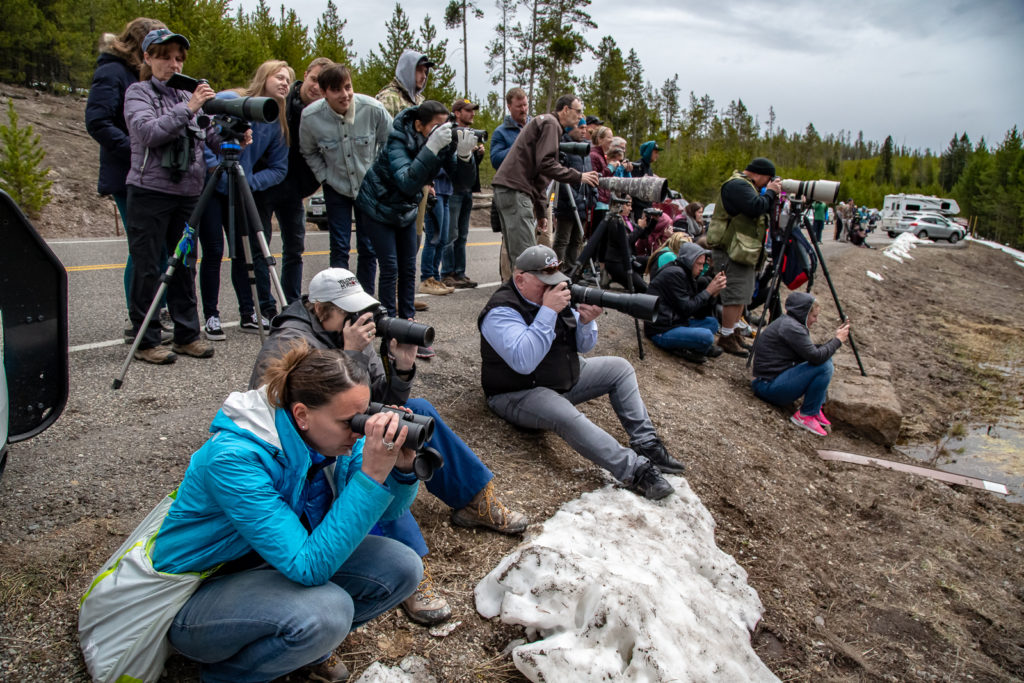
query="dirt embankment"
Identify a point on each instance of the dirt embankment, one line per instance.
(864, 574)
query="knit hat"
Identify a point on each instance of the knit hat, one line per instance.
(762, 166)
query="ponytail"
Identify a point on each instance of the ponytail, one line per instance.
(311, 376)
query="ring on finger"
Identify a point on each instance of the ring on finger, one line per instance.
(389, 445)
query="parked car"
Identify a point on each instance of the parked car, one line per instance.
(930, 226)
(316, 209)
(709, 211)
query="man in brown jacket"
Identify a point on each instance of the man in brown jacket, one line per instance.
(531, 163)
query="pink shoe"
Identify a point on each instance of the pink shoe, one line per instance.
(823, 421)
(808, 422)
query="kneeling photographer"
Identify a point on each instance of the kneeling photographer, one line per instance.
(616, 236)
(533, 375)
(339, 314)
(163, 186)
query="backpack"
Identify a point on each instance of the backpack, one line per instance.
(799, 262)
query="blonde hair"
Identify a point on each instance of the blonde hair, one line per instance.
(259, 81)
(599, 133)
(673, 243)
(128, 44)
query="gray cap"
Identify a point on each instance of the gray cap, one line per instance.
(341, 288)
(542, 262)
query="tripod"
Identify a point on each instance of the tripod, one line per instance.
(238, 190)
(797, 214)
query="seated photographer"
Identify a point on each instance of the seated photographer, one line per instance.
(694, 213)
(534, 377)
(615, 237)
(163, 186)
(278, 504)
(788, 365)
(337, 314)
(686, 323)
(667, 254)
(654, 229)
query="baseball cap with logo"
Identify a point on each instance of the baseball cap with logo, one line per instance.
(542, 262)
(463, 103)
(159, 36)
(341, 288)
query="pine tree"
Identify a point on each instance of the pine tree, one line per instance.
(670, 104)
(455, 15)
(292, 41)
(378, 69)
(498, 50)
(328, 40)
(21, 173)
(605, 91)
(441, 82)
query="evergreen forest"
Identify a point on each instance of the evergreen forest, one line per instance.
(537, 45)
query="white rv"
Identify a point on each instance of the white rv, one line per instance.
(896, 206)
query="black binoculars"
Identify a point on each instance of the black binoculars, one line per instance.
(420, 427)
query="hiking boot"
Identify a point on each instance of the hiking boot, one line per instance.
(464, 282)
(157, 355)
(197, 349)
(487, 511)
(425, 352)
(129, 334)
(420, 305)
(730, 343)
(691, 355)
(165, 320)
(825, 423)
(432, 286)
(249, 324)
(450, 282)
(425, 606)
(655, 452)
(331, 670)
(213, 330)
(808, 422)
(648, 482)
(714, 351)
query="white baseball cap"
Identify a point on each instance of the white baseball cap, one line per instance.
(341, 288)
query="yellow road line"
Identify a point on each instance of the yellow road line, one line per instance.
(119, 266)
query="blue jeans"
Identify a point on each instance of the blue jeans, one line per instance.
(284, 201)
(809, 381)
(818, 227)
(339, 222)
(435, 234)
(462, 477)
(697, 335)
(395, 247)
(453, 256)
(257, 625)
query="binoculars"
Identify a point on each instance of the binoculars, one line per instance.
(420, 427)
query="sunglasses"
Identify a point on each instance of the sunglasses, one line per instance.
(547, 270)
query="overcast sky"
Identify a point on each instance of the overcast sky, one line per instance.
(918, 71)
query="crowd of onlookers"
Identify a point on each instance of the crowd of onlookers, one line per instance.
(293, 519)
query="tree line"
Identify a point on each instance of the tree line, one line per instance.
(537, 45)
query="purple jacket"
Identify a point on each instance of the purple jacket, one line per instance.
(156, 116)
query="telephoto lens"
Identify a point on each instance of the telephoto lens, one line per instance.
(643, 306)
(826, 191)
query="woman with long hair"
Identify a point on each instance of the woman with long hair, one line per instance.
(601, 140)
(117, 67)
(265, 164)
(163, 186)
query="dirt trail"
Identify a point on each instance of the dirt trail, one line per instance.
(864, 574)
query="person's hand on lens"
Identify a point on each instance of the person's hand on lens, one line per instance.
(382, 448)
(589, 312)
(200, 95)
(440, 138)
(466, 144)
(557, 298)
(590, 178)
(359, 333)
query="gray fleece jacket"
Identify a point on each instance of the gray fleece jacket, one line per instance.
(786, 342)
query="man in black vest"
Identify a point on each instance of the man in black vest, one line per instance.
(533, 376)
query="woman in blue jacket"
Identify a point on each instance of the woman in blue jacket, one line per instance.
(418, 146)
(283, 497)
(265, 164)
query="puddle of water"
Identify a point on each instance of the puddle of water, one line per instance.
(989, 451)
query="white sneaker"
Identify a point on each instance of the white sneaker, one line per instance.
(213, 330)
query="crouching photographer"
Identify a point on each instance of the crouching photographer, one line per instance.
(534, 377)
(338, 314)
(163, 185)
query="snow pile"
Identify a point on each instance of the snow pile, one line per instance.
(621, 588)
(901, 246)
(412, 669)
(1016, 254)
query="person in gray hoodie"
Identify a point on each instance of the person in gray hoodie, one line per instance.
(788, 364)
(406, 88)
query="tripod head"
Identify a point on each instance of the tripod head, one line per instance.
(231, 128)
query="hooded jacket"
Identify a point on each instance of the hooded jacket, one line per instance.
(245, 490)
(402, 92)
(104, 119)
(502, 139)
(295, 322)
(643, 168)
(392, 188)
(681, 296)
(786, 342)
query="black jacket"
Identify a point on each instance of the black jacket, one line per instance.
(681, 296)
(786, 342)
(104, 119)
(583, 194)
(300, 179)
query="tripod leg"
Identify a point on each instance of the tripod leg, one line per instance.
(839, 307)
(629, 282)
(773, 290)
(240, 225)
(253, 216)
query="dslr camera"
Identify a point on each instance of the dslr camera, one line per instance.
(402, 331)
(643, 306)
(421, 428)
(481, 135)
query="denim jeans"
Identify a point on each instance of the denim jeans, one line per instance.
(462, 477)
(697, 335)
(809, 381)
(435, 238)
(542, 408)
(284, 201)
(339, 222)
(395, 247)
(257, 625)
(453, 257)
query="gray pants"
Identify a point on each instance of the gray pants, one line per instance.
(518, 222)
(541, 408)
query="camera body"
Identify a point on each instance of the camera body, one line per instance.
(652, 214)
(402, 331)
(421, 428)
(480, 135)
